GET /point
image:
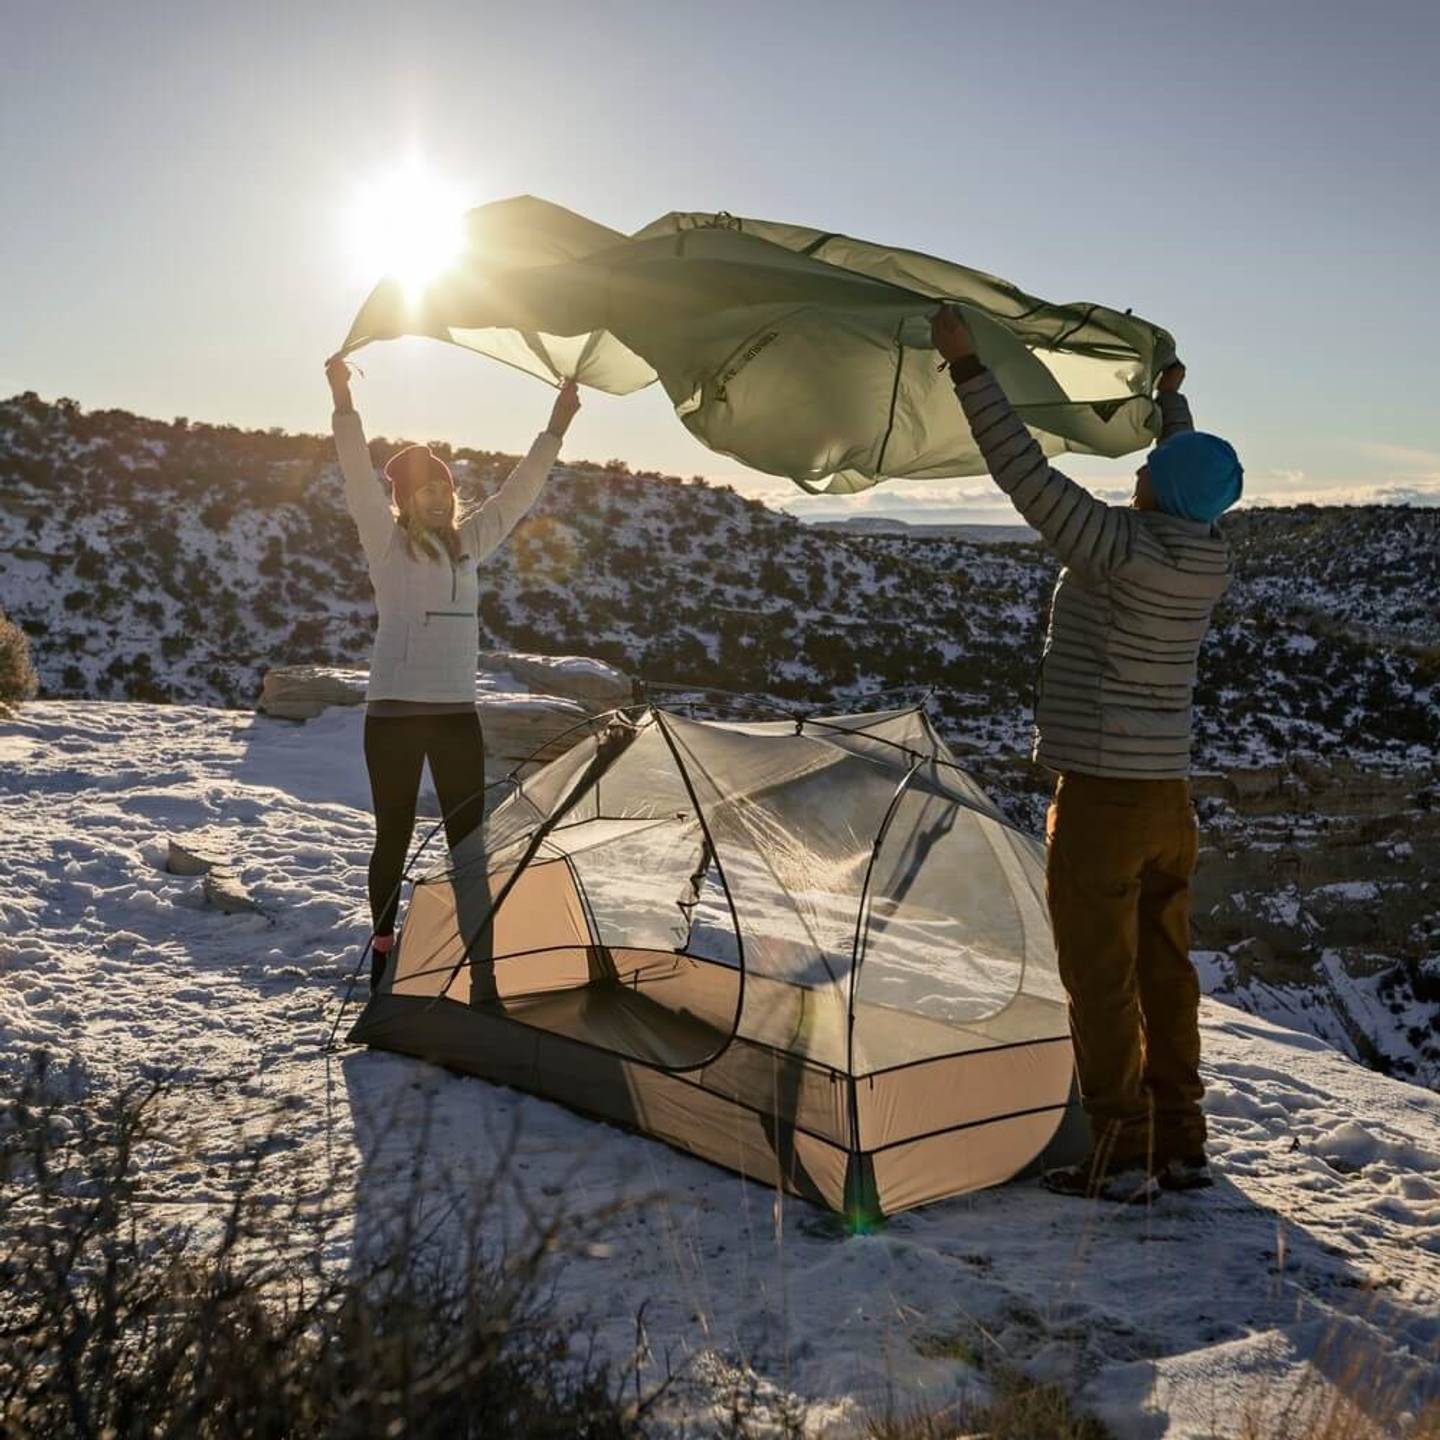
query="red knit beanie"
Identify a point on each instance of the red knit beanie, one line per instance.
(413, 468)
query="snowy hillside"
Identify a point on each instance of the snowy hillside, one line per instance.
(1319, 1248)
(155, 561)
(175, 561)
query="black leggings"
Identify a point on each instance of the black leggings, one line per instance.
(396, 747)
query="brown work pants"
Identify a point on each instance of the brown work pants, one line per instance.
(1119, 856)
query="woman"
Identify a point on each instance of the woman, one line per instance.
(420, 702)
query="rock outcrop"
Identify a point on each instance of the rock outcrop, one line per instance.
(1317, 901)
(532, 707)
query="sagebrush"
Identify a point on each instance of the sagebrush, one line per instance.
(18, 681)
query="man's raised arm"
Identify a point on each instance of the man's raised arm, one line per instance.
(1084, 532)
(1174, 407)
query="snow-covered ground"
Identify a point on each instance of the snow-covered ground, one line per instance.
(1321, 1240)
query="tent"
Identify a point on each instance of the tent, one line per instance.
(798, 352)
(810, 950)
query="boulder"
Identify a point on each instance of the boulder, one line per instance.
(224, 891)
(517, 725)
(523, 727)
(301, 692)
(187, 860)
(593, 683)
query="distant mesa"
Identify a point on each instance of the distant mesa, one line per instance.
(888, 525)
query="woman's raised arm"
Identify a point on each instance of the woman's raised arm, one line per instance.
(364, 497)
(498, 516)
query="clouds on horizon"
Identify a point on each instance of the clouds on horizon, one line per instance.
(1424, 492)
(981, 502)
(1412, 477)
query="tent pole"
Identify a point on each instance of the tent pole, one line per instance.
(856, 955)
(607, 751)
(724, 883)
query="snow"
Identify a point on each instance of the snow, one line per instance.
(577, 664)
(1350, 890)
(1323, 1230)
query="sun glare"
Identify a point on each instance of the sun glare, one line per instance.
(407, 223)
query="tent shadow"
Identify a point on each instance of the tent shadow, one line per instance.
(403, 1177)
(1255, 1278)
(1205, 1271)
(449, 1155)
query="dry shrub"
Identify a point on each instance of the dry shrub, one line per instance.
(120, 1324)
(18, 681)
(1018, 1409)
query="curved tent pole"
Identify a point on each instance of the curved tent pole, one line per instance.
(819, 722)
(601, 716)
(861, 918)
(763, 702)
(724, 885)
(758, 702)
(903, 749)
(601, 762)
(512, 777)
(764, 859)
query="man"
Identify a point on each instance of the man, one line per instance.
(1113, 721)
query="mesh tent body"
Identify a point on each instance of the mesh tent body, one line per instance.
(811, 951)
(798, 352)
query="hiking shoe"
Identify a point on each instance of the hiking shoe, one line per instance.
(1121, 1184)
(377, 963)
(1185, 1172)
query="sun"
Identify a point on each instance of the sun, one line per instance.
(407, 223)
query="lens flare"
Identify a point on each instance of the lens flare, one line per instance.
(407, 223)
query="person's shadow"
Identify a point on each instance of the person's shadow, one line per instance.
(1292, 1301)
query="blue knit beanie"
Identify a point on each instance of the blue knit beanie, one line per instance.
(1195, 476)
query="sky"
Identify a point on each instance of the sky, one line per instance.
(180, 187)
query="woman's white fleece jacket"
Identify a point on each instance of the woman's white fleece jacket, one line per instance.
(427, 639)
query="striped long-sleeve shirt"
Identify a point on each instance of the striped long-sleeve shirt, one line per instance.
(1127, 617)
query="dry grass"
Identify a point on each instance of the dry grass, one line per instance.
(1359, 1403)
(1018, 1409)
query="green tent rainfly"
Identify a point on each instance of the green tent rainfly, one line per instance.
(797, 352)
